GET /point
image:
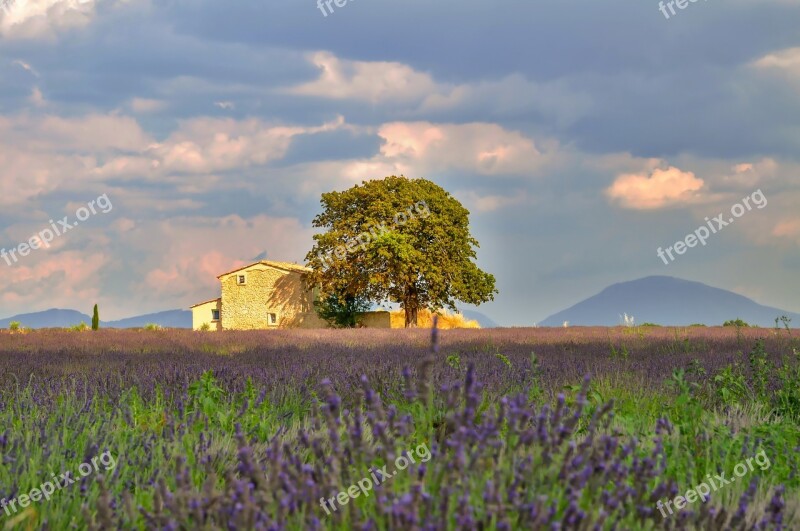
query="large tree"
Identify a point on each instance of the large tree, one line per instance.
(398, 240)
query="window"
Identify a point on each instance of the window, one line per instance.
(215, 315)
(241, 280)
(272, 319)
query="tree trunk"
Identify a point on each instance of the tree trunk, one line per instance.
(411, 316)
(411, 306)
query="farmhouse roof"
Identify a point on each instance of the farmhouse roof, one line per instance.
(287, 266)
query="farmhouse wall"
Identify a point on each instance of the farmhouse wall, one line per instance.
(266, 292)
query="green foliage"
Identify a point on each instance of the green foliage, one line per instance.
(205, 327)
(153, 327)
(696, 369)
(14, 326)
(341, 311)
(680, 344)
(454, 361)
(80, 327)
(651, 325)
(737, 323)
(505, 360)
(408, 241)
(760, 384)
(536, 389)
(621, 353)
(760, 369)
(632, 330)
(787, 397)
(95, 318)
(686, 408)
(205, 395)
(730, 386)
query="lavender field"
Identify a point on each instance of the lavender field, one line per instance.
(573, 428)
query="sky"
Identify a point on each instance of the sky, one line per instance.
(582, 136)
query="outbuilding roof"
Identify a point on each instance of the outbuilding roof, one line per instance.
(206, 302)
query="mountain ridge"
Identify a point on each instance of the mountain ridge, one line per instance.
(668, 301)
(63, 318)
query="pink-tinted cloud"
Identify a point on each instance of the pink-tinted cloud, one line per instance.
(484, 148)
(789, 228)
(63, 279)
(660, 188)
(193, 251)
(362, 80)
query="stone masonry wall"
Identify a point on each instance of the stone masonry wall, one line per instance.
(267, 290)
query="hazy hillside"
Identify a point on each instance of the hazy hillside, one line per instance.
(48, 319)
(56, 318)
(169, 318)
(667, 301)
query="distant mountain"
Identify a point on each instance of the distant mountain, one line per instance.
(667, 301)
(56, 318)
(48, 319)
(169, 319)
(482, 319)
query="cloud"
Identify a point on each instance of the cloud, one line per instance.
(48, 19)
(65, 279)
(483, 148)
(36, 98)
(786, 60)
(29, 173)
(89, 133)
(392, 82)
(660, 188)
(44, 153)
(555, 101)
(225, 105)
(123, 225)
(747, 175)
(784, 64)
(194, 250)
(26, 66)
(34, 19)
(375, 82)
(491, 202)
(146, 105)
(788, 228)
(425, 149)
(207, 145)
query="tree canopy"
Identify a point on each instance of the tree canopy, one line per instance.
(398, 240)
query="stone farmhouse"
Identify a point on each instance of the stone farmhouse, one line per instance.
(268, 295)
